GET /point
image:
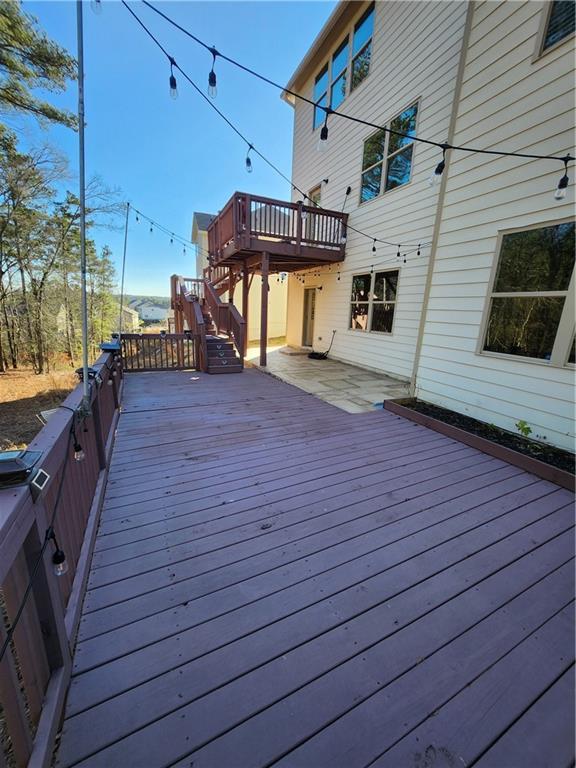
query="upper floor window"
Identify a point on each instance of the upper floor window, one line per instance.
(561, 22)
(373, 301)
(320, 96)
(362, 48)
(347, 68)
(387, 156)
(529, 310)
(339, 72)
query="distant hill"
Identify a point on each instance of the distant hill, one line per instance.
(158, 301)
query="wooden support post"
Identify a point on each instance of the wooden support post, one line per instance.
(264, 309)
(245, 306)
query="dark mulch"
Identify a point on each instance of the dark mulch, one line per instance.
(556, 457)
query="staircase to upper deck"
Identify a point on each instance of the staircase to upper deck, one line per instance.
(251, 235)
(218, 326)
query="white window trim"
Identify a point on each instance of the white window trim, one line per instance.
(385, 158)
(348, 35)
(540, 51)
(371, 302)
(566, 326)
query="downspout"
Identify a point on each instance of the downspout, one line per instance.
(442, 193)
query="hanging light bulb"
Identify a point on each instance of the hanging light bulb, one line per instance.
(96, 6)
(212, 90)
(338, 277)
(560, 193)
(171, 239)
(79, 454)
(59, 563)
(249, 168)
(110, 382)
(137, 218)
(173, 84)
(404, 258)
(374, 246)
(343, 237)
(323, 140)
(439, 170)
(151, 230)
(418, 251)
(398, 254)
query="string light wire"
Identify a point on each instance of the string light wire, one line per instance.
(329, 111)
(237, 131)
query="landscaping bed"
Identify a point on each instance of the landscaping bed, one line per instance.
(544, 460)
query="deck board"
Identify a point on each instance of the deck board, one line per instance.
(276, 581)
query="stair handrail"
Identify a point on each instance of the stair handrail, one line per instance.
(226, 318)
(238, 330)
(200, 330)
(188, 304)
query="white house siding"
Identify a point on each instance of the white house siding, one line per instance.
(511, 101)
(415, 56)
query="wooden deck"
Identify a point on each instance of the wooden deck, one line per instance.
(278, 582)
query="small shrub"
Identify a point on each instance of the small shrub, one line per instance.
(523, 427)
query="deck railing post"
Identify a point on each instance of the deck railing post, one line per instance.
(98, 432)
(299, 229)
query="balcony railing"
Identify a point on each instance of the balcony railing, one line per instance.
(250, 224)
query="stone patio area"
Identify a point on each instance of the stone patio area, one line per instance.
(348, 387)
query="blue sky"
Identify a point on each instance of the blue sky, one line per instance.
(168, 157)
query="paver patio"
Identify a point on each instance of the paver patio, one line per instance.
(351, 388)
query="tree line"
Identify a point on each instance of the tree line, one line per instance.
(40, 318)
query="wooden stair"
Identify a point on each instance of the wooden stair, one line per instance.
(222, 357)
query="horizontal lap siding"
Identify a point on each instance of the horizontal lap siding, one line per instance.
(508, 100)
(405, 67)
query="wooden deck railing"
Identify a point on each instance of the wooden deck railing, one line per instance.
(249, 218)
(188, 311)
(35, 670)
(159, 351)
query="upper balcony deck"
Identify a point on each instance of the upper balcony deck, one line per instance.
(292, 234)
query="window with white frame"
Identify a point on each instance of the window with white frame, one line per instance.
(373, 301)
(347, 68)
(530, 313)
(560, 23)
(387, 156)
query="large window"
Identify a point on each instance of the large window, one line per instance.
(362, 48)
(320, 96)
(529, 312)
(347, 68)
(339, 70)
(561, 22)
(387, 157)
(373, 301)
